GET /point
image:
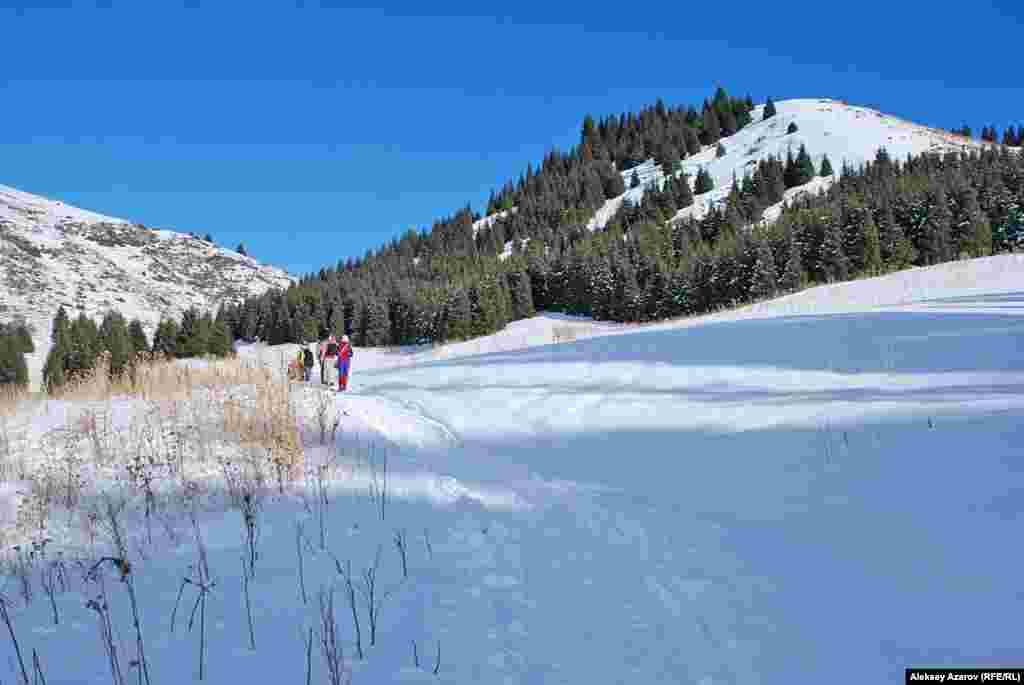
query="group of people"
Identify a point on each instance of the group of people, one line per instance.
(335, 358)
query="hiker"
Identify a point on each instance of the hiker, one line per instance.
(344, 362)
(307, 362)
(320, 360)
(330, 361)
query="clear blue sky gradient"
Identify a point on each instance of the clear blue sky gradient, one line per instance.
(314, 132)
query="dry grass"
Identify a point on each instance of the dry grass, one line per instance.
(162, 427)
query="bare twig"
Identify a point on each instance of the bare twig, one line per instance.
(298, 551)
(248, 605)
(14, 639)
(400, 543)
(350, 593)
(37, 667)
(309, 657)
(426, 542)
(329, 645)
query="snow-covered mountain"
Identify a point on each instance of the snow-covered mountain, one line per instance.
(52, 254)
(846, 133)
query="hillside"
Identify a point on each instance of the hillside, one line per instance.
(52, 254)
(847, 134)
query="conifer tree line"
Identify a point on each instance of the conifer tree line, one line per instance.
(1012, 136)
(448, 284)
(15, 343)
(78, 344)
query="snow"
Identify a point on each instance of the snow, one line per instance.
(491, 219)
(751, 496)
(53, 254)
(845, 133)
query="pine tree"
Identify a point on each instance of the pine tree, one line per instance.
(190, 340)
(804, 166)
(727, 119)
(114, 339)
(792, 128)
(871, 243)
(720, 151)
(834, 260)
(281, 332)
(692, 141)
(522, 296)
(765, 277)
(1009, 137)
(634, 180)
(220, 343)
(165, 339)
(374, 328)
(208, 238)
(241, 250)
(826, 167)
(793, 277)
(704, 183)
(137, 336)
(13, 369)
(769, 109)
(712, 128)
(61, 326)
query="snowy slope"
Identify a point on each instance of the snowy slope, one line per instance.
(845, 133)
(664, 503)
(53, 254)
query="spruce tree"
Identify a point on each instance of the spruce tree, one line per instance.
(220, 344)
(61, 326)
(241, 250)
(634, 180)
(835, 263)
(793, 277)
(720, 151)
(871, 243)
(765, 277)
(792, 128)
(769, 109)
(193, 335)
(704, 183)
(711, 130)
(137, 335)
(22, 337)
(804, 166)
(826, 167)
(522, 296)
(727, 120)
(115, 339)
(165, 339)
(13, 369)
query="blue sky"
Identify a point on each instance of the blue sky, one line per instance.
(316, 131)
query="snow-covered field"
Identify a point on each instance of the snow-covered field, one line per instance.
(818, 487)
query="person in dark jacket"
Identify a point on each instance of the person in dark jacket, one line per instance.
(330, 361)
(308, 359)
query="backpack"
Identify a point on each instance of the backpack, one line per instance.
(307, 358)
(332, 349)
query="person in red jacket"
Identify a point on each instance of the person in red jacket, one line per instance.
(344, 362)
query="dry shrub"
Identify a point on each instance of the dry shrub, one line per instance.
(187, 414)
